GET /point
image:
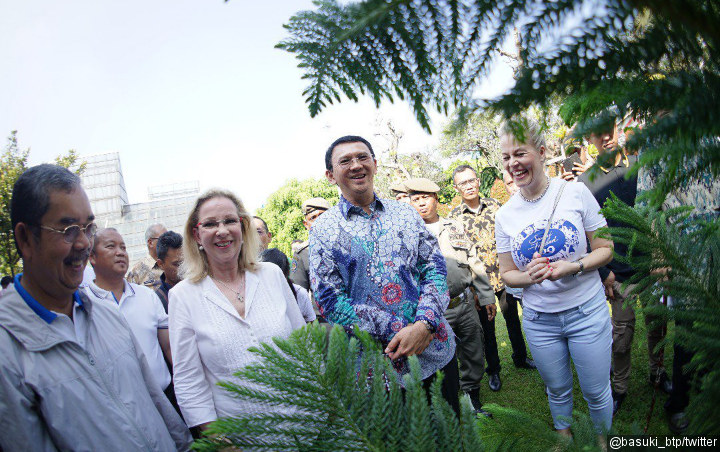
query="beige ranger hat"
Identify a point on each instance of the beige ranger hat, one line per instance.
(421, 185)
(314, 204)
(398, 187)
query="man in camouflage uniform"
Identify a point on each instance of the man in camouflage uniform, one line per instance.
(464, 270)
(147, 272)
(478, 218)
(299, 272)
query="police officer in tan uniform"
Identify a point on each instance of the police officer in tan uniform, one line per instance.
(399, 191)
(464, 270)
(299, 272)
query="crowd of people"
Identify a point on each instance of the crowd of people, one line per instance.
(104, 356)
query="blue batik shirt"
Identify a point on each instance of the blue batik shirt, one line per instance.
(381, 271)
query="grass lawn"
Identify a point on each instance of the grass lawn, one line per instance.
(523, 390)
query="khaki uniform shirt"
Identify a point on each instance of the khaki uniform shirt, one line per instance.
(145, 273)
(480, 228)
(300, 270)
(464, 269)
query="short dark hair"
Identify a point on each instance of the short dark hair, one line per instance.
(31, 194)
(460, 169)
(343, 140)
(5, 281)
(99, 233)
(264, 224)
(167, 241)
(279, 258)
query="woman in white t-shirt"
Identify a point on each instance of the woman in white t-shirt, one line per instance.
(565, 314)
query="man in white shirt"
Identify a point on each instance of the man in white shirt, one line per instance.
(139, 305)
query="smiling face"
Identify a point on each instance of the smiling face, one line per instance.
(353, 170)
(53, 267)
(109, 257)
(219, 232)
(426, 204)
(523, 162)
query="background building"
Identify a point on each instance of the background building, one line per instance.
(168, 204)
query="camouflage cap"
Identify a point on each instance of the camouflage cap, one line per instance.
(421, 185)
(314, 204)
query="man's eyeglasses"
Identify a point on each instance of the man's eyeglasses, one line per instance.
(466, 183)
(345, 162)
(211, 225)
(71, 233)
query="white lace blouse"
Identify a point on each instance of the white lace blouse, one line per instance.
(210, 341)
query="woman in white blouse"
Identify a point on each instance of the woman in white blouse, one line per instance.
(227, 303)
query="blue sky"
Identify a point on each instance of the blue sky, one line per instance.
(182, 89)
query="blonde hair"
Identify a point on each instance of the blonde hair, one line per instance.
(195, 262)
(522, 126)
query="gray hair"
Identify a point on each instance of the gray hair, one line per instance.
(150, 231)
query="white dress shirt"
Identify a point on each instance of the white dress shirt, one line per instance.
(145, 314)
(210, 340)
(304, 303)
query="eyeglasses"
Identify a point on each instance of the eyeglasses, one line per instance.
(345, 162)
(211, 225)
(71, 233)
(466, 183)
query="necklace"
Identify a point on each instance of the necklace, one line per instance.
(547, 185)
(238, 293)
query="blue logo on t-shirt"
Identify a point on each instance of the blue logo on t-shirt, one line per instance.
(562, 240)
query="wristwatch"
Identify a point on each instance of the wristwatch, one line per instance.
(582, 267)
(427, 325)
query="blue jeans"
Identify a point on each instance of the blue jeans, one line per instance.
(584, 334)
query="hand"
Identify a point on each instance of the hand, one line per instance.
(538, 269)
(491, 311)
(579, 168)
(411, 340)
(560, 269)
(568, 176)
(608, 283)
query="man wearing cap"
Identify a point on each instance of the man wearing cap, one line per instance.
(399, 191)
(464, 270)
(299, 273)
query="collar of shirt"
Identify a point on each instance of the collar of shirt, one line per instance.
(43, 312)
(347, 208)
(128, 292)
(164, 284)
(465, 208)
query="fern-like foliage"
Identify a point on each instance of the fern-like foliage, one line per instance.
(338, 394)
(339, 399)
(645, 57)
(681, 258)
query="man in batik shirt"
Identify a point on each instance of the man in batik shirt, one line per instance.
(374, 265)
(478, 217)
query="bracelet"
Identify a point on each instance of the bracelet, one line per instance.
(429, 327)
(582, 267)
